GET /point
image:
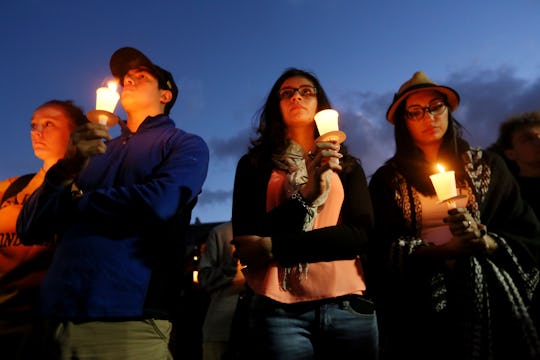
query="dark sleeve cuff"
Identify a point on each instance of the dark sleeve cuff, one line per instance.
(57, 175)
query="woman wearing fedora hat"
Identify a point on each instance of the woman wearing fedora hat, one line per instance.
(456, 278)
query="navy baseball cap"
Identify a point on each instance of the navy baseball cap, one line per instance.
(127, 58)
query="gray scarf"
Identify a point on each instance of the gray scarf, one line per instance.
(292, 160)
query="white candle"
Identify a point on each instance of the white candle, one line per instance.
(327, 121)
(107, 98)
(444, 183)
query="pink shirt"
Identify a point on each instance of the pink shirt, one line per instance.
(323, 279)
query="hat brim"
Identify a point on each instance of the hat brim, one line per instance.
(452, 97)
(127, 58)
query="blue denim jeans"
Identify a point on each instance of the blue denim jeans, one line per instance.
(339, 328)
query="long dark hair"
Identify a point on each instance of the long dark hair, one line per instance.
(410, 160)
(272, 130)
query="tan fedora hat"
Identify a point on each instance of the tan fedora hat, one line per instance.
(420, 82)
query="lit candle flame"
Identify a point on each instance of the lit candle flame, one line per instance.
(112, 85)
(440, 167)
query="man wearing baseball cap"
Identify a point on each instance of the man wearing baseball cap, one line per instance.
(128, 58)
(118, 210)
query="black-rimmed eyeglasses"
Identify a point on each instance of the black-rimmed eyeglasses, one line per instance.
(417, 112)
(306, 90)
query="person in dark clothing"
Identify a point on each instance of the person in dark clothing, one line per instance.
(456, 279)
(220, 277)
(519, 143)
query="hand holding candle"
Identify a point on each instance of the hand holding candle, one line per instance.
(327, 124)
(106, 100)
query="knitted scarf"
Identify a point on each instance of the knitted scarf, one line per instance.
(492, 288)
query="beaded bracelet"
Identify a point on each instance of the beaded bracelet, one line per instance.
(298, 196)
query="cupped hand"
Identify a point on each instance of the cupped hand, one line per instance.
(460, 221)
(468, 236)
(323, 157)
(85, 141)
(253, 250)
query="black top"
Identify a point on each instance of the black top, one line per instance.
(290, 244)
(530, 191)
(481, 303)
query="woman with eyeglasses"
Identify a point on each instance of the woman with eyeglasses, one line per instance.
(456, 279)
(301, 218)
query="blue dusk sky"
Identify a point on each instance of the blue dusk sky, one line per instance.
(226, 54)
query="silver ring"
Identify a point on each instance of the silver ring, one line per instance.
(311, 155)
(468, 224)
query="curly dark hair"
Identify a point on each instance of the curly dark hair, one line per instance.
(272, 129)
(506, 131)
(514, 123)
